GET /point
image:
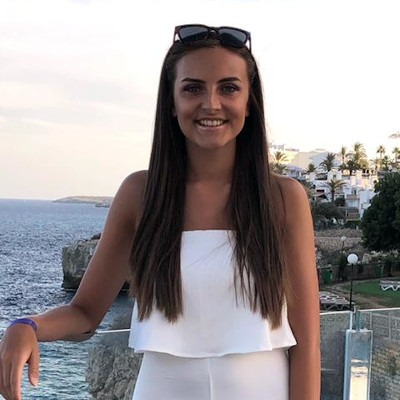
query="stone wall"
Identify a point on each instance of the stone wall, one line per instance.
(334, 244)
(338, 233)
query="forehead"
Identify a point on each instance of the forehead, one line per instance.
(211, 63)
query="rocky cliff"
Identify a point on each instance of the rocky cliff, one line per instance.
(113, 367)
(75, 259)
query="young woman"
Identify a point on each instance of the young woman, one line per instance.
(218, 250)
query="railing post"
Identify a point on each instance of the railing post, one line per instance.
(357, 362)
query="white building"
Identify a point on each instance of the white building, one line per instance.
(356, 193)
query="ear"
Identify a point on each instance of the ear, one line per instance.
(173, 111)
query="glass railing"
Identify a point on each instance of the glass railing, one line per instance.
(333, 331)
(385, 368)
(104, 367)
(100, 367)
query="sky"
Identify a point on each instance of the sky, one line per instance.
(78, 81)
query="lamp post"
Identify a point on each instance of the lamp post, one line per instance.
(352, 259)
(341, 260)
(343, 239)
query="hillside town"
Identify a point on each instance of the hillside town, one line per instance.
(345, 179)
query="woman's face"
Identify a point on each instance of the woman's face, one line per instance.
(211, 94)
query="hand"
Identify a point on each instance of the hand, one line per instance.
(18, 347)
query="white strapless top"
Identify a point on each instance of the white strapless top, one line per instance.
(214, 321)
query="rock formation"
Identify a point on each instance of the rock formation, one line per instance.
(75, 259)
(113, 367)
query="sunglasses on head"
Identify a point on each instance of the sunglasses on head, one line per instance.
(227, 35)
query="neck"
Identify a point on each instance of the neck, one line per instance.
(211, 165)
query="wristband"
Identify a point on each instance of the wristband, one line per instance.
(26, 321)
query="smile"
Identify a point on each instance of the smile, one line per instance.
(210, 122)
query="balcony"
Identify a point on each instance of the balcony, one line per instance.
(103, 367)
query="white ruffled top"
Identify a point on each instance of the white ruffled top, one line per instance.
(215, 322)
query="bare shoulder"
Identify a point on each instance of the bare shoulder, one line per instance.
(294, 197)
(127, 203)
(290, 187)
(135, 183)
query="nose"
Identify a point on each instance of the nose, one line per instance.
(211, 101)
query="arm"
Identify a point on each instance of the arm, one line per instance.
(103, 279)
(303, 309)
(106, 273)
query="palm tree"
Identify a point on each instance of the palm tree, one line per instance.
(343, 154)
(358, 158)
(335, 185)
(396, 153)
(352, 166)
(386, 163)
(343, 158)
(311, 168)
(376, 164)
(329, 162)
(381, 151)
(279, 164)
(359, 155)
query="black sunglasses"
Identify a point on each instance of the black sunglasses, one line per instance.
(227, 35)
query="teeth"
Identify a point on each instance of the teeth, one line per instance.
(208, 122)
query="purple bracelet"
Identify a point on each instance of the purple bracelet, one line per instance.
(26, 321)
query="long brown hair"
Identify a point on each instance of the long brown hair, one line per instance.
(254, 206)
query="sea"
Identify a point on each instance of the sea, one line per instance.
(32, 236)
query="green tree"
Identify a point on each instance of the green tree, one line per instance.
(386, 163)
(334, 186)
(359, 155)
(381, 221)
(358, 158)
(323, 214)
(279, 162)
(376, 164)
(396, 154)
(352, 166)
(343, 158)
(329, 162)
(311, 168)
(343, 154)
(381, 151)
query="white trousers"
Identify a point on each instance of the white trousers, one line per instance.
(252, 376)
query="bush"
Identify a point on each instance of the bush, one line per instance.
(325, 215)
(353, 224)
(339, 202)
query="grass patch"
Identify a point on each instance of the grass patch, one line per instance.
(371, 289)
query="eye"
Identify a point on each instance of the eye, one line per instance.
(230, 88)
(193, 88)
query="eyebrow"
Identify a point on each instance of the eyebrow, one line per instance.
(229, 79)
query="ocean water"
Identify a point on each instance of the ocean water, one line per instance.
(32, 235)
